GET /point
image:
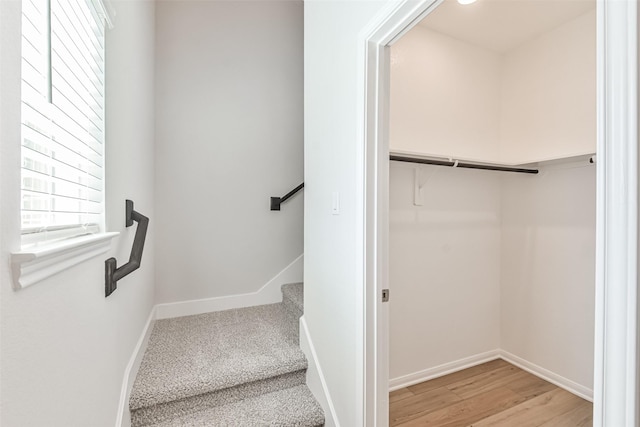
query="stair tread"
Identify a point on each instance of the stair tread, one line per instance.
(293, 406)
(295, 293)
(193, 355)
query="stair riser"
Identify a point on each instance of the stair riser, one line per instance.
(294, 293)
(294, 322)
(291, 307)
(167, 411)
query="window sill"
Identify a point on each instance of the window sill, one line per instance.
(35, 264)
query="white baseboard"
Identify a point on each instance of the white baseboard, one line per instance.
(562, 382)
(124, 418)
(468, 362)
(315, 377)
(267, 294)
(441, 370)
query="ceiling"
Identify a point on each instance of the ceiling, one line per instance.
(501, 25)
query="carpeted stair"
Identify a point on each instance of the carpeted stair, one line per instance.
(293, 302)
(240, 367)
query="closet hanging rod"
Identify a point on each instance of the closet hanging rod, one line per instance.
(460, 164)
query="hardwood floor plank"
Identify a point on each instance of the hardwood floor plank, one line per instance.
(533, 412)
(400, 394)
(581, 416)
(457, 376)
(492, 394)
(468, 411)
(530, 386)
(409, 408)
(487, 381)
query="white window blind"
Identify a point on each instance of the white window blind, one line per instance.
(62, 118)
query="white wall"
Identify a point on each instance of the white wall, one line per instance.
(333, 253)
(493, 262)
(229, 135)
(537, 101)
(64, 346)
(444, 267)
(549, 94)
(548, 270)
(444, 96)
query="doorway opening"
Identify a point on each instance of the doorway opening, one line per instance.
(514, 201)
(493, 263)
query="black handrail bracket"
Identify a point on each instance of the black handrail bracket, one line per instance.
(277, 201)
(113, 273)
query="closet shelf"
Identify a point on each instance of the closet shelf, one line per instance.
(583, 158)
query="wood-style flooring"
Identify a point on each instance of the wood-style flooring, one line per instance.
(492, 394)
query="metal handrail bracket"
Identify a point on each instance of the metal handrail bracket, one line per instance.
(277, 201)
(112, 272)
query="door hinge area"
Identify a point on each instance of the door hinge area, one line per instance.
(385, 295)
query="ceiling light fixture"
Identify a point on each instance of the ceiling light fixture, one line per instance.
(466, 1)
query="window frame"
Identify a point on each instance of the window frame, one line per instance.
(39, 259)
(94, 21)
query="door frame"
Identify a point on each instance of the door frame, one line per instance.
(616, 315)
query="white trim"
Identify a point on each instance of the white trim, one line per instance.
(385, 28)
(106, 11)
(37, 263)
(478, 359)
(442, 370)
(124, 418)
(315, 378)
(39, 236)
(615, 392)
(270, 293)
(547, 375)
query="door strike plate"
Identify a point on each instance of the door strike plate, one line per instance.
(385, 295)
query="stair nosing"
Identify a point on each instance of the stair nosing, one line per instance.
(179, 393)
(149, 415)
(317, 411)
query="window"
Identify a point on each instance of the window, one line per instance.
(62, 118)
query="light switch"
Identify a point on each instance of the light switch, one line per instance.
(335, 203)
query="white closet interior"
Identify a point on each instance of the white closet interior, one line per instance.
(484, 263)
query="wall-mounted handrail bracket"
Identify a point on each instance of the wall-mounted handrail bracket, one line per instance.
(112, 272)
(277, 201)
(128, 214)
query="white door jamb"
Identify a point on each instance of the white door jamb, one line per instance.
(615, 376)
